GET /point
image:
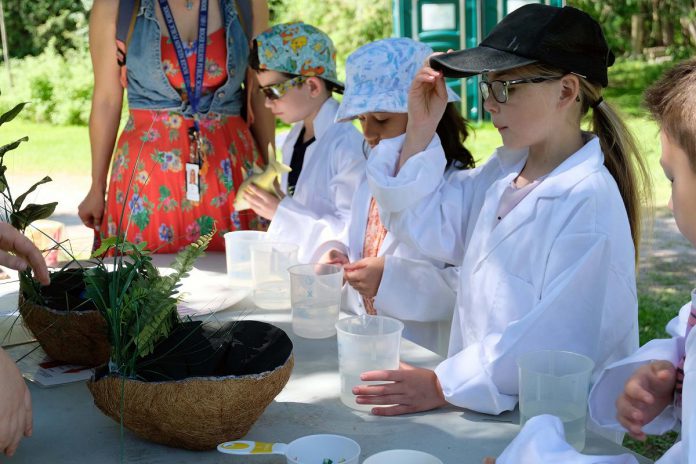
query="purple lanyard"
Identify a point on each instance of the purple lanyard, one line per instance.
(194, 95)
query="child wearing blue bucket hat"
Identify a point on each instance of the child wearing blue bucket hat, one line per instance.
(384, 275)
(295, 64)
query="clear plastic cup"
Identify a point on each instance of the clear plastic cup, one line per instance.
(365, 343)
(269, 272)
(238, 255)
(315, 297)
(556, 382)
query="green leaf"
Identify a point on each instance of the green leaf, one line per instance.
(11, 146)
(106, 244)
(20, 220)
(18, 202)
(10, 115)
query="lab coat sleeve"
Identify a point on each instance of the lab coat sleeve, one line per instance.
(542, 441)
(417, 205)
(484, 375)
(309, 229)
(610, 384)
(416, 290)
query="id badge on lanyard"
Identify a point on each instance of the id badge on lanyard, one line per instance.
(196, 159)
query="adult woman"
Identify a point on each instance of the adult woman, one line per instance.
(174, 129)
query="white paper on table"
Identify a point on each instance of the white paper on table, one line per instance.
(43, 371)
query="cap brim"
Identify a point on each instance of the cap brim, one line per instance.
(478, 60)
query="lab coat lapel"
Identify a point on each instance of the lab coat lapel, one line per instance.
(578, 166)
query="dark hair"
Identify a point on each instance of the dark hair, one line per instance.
(255, 65)
(672, 102)
(453, 130)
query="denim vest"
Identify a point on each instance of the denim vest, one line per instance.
(148, 86)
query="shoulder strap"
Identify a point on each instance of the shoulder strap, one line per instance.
(246, 16)
(127, 12)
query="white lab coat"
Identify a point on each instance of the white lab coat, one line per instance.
(415, 289)
(542, 441)
(333, 167)
(556, 273)
(611, 383)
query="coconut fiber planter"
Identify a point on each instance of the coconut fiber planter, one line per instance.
(68, 328)
(220, 383)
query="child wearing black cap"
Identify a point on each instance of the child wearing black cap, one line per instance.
(651, 391)
(546, 231)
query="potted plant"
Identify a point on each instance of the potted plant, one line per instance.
(68, 327)
(179, 382)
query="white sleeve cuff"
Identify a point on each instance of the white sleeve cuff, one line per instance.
(418, 177)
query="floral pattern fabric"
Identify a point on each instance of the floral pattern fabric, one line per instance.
(374, 236)
(147, 190)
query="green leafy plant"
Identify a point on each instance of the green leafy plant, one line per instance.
(15, 211)
(137, 302)
(19, 215)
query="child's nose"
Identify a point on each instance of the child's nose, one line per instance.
(491, 105)
(267, 102)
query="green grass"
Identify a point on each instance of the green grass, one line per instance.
(51, 150)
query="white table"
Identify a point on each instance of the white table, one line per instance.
(68, 428)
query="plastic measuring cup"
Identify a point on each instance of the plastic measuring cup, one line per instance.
(365, 343)
(269, 271)
(311, 449)
(315, 298)
(238, 255)
(556, 382)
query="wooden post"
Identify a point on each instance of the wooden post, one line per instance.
(5, 50)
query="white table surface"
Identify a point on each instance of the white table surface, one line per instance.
(68, 428)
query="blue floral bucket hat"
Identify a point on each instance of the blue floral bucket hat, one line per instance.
(300, 49)
(379, 75)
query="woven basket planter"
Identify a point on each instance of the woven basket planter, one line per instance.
(74, 336)
(196, 413)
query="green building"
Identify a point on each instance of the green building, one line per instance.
(455, 24)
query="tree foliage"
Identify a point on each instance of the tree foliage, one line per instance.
(34, 25)
(633, 25)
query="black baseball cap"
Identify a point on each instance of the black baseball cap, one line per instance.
(566, 38)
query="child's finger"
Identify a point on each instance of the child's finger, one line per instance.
(636, 392)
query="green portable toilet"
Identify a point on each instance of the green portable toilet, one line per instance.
(455, 24)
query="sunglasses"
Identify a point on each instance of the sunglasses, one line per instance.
(276, 91)
(499, 89)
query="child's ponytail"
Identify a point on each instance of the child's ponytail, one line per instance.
(621, 155)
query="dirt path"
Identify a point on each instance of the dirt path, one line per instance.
(667, 258)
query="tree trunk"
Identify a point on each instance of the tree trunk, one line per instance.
(667, 18)
(656, 30)
(637, 33)
(689, 26)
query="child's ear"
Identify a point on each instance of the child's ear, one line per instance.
(570, 90)
(315, 86)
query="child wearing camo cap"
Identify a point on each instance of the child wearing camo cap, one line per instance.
(296, 68)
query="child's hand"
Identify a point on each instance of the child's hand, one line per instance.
(413, 390)
(365, 275)
(647, 392)
(15, 406)
(263, 203)
(488, 460)
(427, 100)
(333, 256)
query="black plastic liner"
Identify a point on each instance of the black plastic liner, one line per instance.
(195, 349)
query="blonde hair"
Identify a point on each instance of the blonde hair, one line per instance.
(672, 102)
(622, 157)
